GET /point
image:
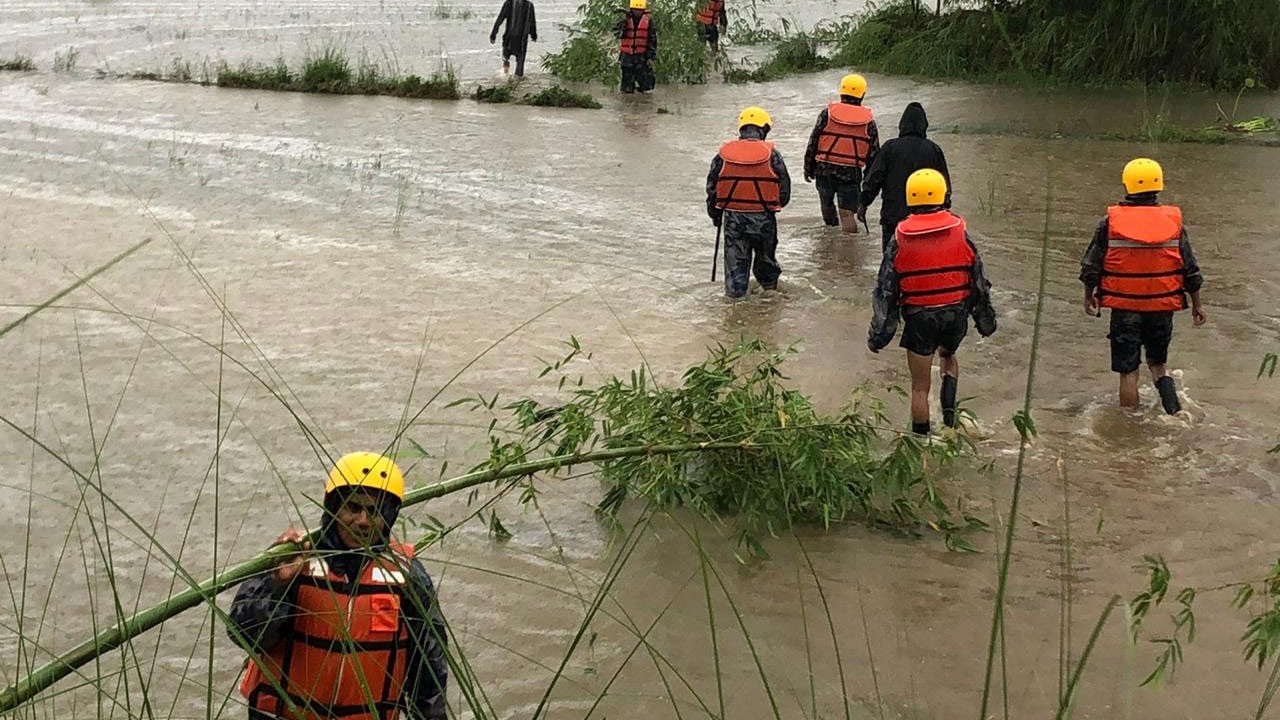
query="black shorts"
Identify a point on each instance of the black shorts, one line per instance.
(1132, 332)
(926, 330)
(709, 33)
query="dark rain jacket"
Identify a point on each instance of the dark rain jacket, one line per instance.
(886, 307)
(748, 223)
(909, 152)
(1096, 253)
(263, 609)
(840, 173)
(521, 22)
(652, 51)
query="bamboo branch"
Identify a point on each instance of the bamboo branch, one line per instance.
(207, 591)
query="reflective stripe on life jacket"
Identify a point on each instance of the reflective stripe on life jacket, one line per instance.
(1143, 266)
(934, 261)
(344, 654)
(710, 13)
(747, 182)
(846, 138)
(635, 35)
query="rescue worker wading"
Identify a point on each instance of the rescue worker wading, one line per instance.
(748, 184)
(711, 18)
(901, 156)
(843, 142)
(932, 275)
(637, 47)
(1140, 265)
(351, 631)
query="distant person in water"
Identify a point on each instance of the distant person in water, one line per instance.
(711, 18)
(896, 161)
(932, 276)
(350, 628)
(843, 142)
(637, 47)
(1140, 265)
(747, 185)
(522, 26)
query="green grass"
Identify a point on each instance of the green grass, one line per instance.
(497, 94)
(331, 72)
(18, 63)
(557, 96)
(554, 96)
(1219, 44)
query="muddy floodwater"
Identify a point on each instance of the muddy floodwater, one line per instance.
(365, 249)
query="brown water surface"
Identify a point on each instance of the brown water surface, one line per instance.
(366, 249)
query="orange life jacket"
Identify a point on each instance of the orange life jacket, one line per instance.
(1143, 267)
(846, 138)
(934, 261)
(710, 13)
(635, 36)
(345, 638)
(747, 181)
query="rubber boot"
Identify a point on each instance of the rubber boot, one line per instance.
(1168, 395)
(920, 428)
(949, 387)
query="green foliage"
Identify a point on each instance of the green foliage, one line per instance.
(497, 94)
(330, 71)
(554, 96)
(1219, 43)
(590, 50)
(793, 463)
(18, 63)
(557, 96)
(327, 72)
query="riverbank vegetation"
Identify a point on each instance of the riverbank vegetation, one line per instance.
(554, 96)
(18, 63)
(331, 71)
(1218, 43)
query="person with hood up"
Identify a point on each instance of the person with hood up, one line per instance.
(747, 185)
(844, 141)
(522, 26)
(350, 629)
(637, 47)
(896, 161)
(931, 275)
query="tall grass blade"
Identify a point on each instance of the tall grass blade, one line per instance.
(1065, 704)
(73, 286)
(1026, 429)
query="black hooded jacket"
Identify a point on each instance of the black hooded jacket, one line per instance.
(905, 154)
(261, 615)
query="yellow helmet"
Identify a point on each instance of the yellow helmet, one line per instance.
(369, 470)
(639, 4)
(754, 116)
(926, 187)
(853, 85)
(1143, 175)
